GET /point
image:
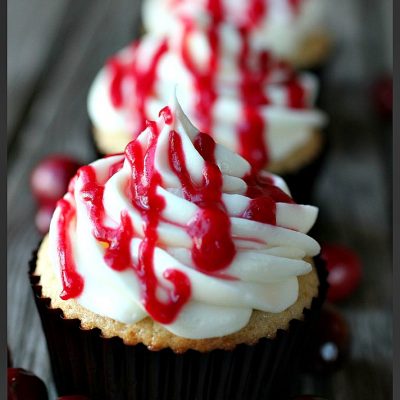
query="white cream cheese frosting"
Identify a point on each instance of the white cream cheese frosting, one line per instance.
(283, 26)
(279, 101)
(178, 229)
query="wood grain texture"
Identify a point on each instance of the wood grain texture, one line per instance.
(56, 48)
(56, 121)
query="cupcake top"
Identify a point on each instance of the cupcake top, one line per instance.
(178, 229)
(282, 26)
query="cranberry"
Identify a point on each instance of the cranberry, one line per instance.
(50, 178)
(382, 95)
(344, 268)
(43, 218)
(23, 385)
(330, 341)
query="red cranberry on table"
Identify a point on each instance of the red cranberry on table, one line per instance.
(330, 342)
(382, 95)
(23, 385)
(344, 267)
(50, 178)
(49, 182)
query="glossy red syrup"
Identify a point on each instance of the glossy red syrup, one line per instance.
(72, 281)
(264, 195)
(143, 80)
(252, 128)
(256, 11)
(296, 94)
(143, 193)
(204, 79)
(166, 114)
(213, 247)
(116, 167)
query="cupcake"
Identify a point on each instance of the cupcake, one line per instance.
(229, 85)
(294, 30)
(172, 271)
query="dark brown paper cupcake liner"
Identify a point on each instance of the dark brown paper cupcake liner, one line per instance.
(302, 182)
(86, 363)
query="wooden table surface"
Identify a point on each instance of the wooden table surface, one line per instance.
(55, 49)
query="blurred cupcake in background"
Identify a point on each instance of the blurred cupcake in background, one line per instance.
(294, 30)
(230, 84)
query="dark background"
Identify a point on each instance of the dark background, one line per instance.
(55, 48)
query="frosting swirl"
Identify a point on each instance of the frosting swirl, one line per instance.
(178, 229)
(282, 26)
(276, 103)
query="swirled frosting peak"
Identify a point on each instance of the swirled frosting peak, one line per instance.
(178, 229)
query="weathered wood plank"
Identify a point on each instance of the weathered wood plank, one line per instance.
(32, 29)
(56, 122)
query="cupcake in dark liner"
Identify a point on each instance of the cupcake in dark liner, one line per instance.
(84, 362)
(173, 270)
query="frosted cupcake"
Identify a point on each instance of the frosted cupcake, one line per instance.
(229, 85)
(176, 246)
(294, 30)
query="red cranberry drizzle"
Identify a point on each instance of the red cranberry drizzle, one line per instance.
(296, 94)
(116, 167)
(204, 80)
(213, 247)
(256, 11)
(143, 80)
(215, 9)
(117, 72)
(251, 130)
(251, 135)
(72, 281)
(143, 193)
(264, 195)
(167, 115)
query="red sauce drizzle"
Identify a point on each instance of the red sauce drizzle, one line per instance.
(143, 80)
(251, 130)
(204, 80)
(142, 192)
(296, 94)
(213, 247)
(256, 11)
(72, 281)
(264, 195)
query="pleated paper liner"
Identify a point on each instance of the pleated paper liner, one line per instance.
(106, 369)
